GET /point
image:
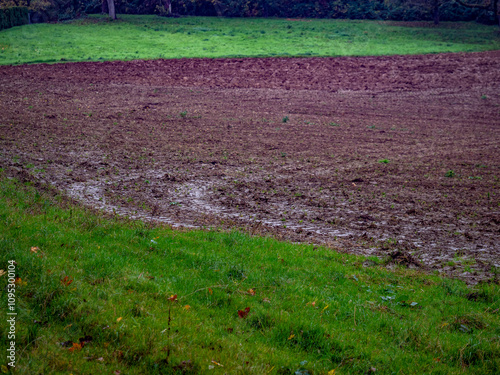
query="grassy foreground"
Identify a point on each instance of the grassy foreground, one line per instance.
(98, 295)
(152, 37)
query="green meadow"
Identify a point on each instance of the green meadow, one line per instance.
(95, 38)
(97, 294)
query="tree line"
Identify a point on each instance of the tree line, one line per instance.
(486, 11)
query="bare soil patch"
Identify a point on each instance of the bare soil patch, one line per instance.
(373, 155)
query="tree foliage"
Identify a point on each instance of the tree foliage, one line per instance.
(400, 10)
(492, 5)
(13, 16)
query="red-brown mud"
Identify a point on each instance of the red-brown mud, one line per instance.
(372, 155)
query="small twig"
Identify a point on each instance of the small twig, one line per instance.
(208, 287)
(168, 331)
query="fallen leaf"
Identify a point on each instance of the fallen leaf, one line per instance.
(173, 298)
(75, 347)
(266, 300)
(2, 272)
(100, 359)
(20, 281)
(66, 281)
(120, 318)
(324, 308)
(291, 336)
(251, 292)
(331, 372)
(117, 372)
(34, 249)
(210, 291)
(218, 364)
(187, 307)
(4, 368)
(243, 313)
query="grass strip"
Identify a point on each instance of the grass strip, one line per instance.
(96, 294)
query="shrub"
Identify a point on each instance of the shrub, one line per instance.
(14, 16)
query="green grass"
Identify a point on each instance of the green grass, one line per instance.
(108, 281)
(152, 37)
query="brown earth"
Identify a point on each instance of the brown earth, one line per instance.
(389, 156)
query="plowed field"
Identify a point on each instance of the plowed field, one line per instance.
(395, 156)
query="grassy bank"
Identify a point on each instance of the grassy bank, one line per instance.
(152, 37)
(99, 295)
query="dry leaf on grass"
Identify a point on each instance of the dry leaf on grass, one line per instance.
(66, 281)
(243, 313)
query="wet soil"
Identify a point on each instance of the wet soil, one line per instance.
(396, 157)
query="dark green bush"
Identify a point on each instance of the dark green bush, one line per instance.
(403, 10)
(15, 16)
(3, 20)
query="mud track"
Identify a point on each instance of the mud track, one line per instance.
(370, 155)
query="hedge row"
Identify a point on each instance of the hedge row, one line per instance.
(15, 16)
(400, 10)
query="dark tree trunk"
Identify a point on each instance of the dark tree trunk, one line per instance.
(265, 12)
(218, 9)
(111, 8)
(436, 12)
(168, 6)
(104, 6)
(28, 4)
(497, 12)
